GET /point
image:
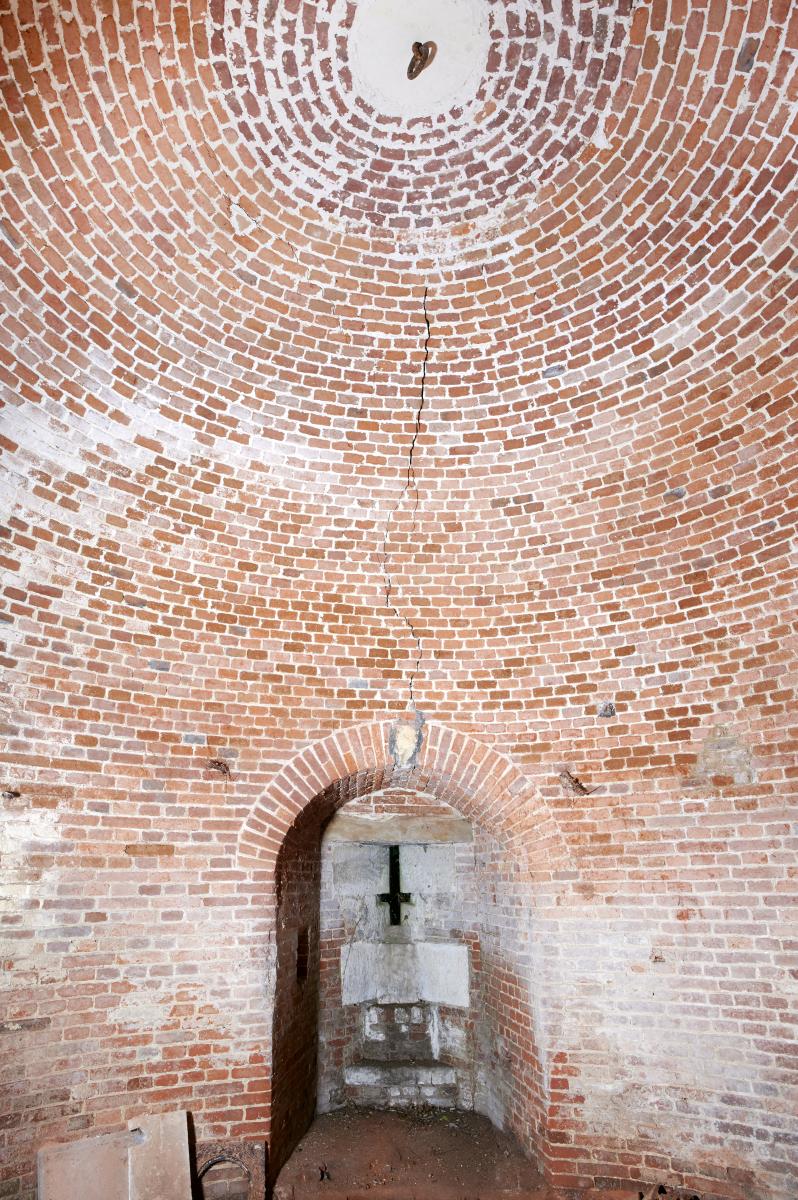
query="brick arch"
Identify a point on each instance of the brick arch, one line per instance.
(478, 781)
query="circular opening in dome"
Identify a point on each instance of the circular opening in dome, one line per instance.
(381, 43)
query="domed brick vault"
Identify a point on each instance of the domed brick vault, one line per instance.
(335, 409)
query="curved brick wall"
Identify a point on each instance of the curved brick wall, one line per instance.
(214, 264)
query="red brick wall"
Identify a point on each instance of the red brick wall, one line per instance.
(510, 1028)
(211, 354)
(296, 994)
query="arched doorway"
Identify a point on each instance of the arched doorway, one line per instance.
(282, 839)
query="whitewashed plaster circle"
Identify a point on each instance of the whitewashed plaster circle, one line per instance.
(319, 89)
(381, 46)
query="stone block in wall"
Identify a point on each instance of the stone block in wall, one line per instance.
(359, 870)
(391, 829)
(405, 973)
(429, 871)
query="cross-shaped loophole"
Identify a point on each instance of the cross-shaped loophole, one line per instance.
(394, 897)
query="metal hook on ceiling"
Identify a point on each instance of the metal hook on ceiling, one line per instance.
(423, 54)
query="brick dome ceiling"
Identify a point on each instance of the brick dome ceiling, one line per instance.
(211, 265)
(211, 182)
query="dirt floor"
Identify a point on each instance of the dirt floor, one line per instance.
(425, 1154)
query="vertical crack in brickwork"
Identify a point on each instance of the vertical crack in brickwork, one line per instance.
(410, 483)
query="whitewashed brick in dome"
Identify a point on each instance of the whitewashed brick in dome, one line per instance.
(516, 88)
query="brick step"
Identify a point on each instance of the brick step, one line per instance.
(368, 1073)
(397, 1050)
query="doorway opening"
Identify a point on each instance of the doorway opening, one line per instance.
(397, 934)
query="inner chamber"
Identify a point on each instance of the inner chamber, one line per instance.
(397, 975)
